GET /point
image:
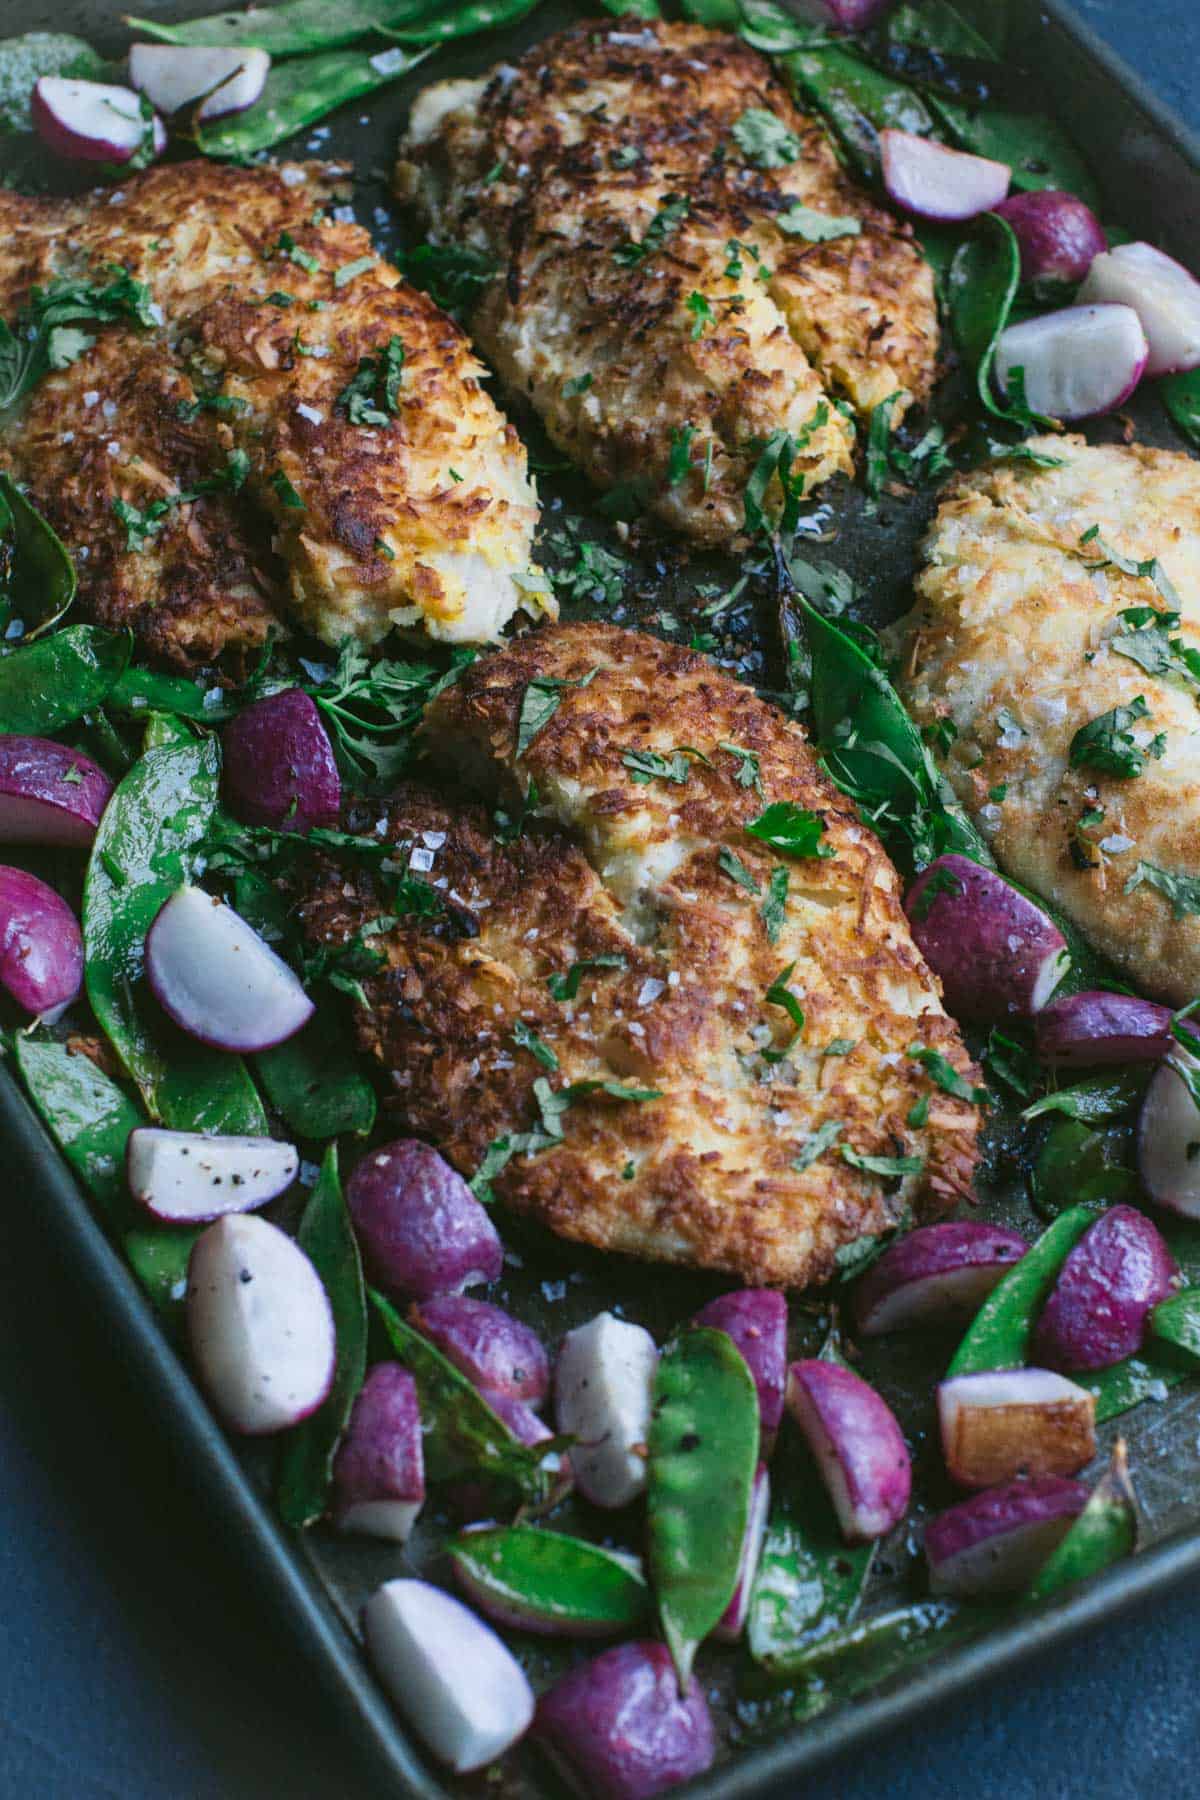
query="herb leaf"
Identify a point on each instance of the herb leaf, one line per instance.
(539, 703)
(791, 829)
(672, 211)
(765, 140)
(526, 1038)
(946, 1075)
(566, 987)
(774, 907)
(731, 864)
(816, 1144)
(371, 396)
(1183, 891)
(882, 1165)
(41, 339)
(816, 227)
(1107, 743)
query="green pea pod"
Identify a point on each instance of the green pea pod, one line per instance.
(295, 28)
(845, 1661)
(1180, 394)
(314, 1081)
(159, 1259)
(1095, 1101)
(980, 288)
(87, 1115)
(463, 1438)
(1177, 1322)
(165, 732)
(1077, 1166)
(1127, 1384)
(457, 21)
(138, 690)
(144, 848)
(857, 100)
(999, 1334)
(37, 576)
(545, 1581)
(300, 92)
(56, 681)
(809, 1581)
(1105, 1532)
(703, 1452)
(326, 1237)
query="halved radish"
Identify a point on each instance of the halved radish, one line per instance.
(91, 121)
(1164, 295)
(618, 1727)
(187, 1178)
(934, 182)
(421, 1229)
(1105, 1292)
(995, 1542)
(935, 1274)
(379, 1470)
(172, 76)
(1008, 1422)
(732, 1622)
(603, 1386)
(1058, 235)
(1169, 1143)
(999, 956)
(278, 765)
(495, 1351)
(1083, 1031)
(857, 1444)
(49, 794)
(1076, 363)
(41, 948)
(218, 980)
(260, 1326)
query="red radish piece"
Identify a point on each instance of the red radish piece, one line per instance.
(1008, 1422)
(186, 1178)
(378, 1485)
(995, 1542)
(997, 954)
(448, 1674)
(41, 949)
(173, 76)
(1113, 1278)
(603, 1384)
(1164, 295)
(1084, 1031)
(756, 1320)
(218, 980)
(260, 1326)
(733, 1621)
(422, 1231)
(89, 121)
(1076, 363)
(619, 1729)
(1168, 1151)
(49, 794)
(492, 1349)
(279, 767)
(1058, 236)
(935, 1275)
(933, 182)
(844, 15)
(857, 1444)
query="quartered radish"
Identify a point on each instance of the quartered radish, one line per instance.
(603, 1385)
(934, 182)
(1058, 236)
(995, 1542)
(174, 76)
(997, 954)
(91, 121)
(421, 1229)
(492, 1349)
(620, 1729)
(450, 1677)
(260, 1325)
(935, 1275)
(733, 1621)
(41, 947)
(278, 765)
(379, 1471)
(218, 980)
(1168, 1151)
(857, 1444)
(1076, 363)
(1008, 1422)
(185, 1177)
(49, 794)
(756, 1320)
(1105, 1292)
(549, 1583)
(1164, 295)
(1084, 1031)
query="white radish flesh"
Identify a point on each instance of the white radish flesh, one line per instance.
(1009, 1422)
(857, 1445)
(218, 980)
(1076, 363)
(926, 178)
(733, 1621)
(90, 121)
(1169, 1142)
(173, 76)
(1164, 295)
(935, 1274)
(995, 1542)
(448, 1674)
(603, 1384)
(184, 1177)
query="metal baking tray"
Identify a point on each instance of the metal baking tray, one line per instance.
(1149, 166)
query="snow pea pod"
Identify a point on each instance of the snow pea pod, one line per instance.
(547, 1581)
(843, 1662)
(37, 576)
(857, 100)
(999, 1335)
(159, 1259)
(1077, 1166)
(86, 1114)
(809, 1581)
(52, 683)
(1104, 1533)
(138, 690)
(1095, 1100)
(300, 92)
(455, 21)
(981, 287)
(293, 29)
(145, 847)
(703, 1451)
(1177, 1322)
(24, 60)
(314, 1081)
(1128, 1383)
(326, 1237)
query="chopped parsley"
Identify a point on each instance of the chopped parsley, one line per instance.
(453, 274)
(539, 703)
(1148, 642)
(1107, 557)
(350, 271)
(648, 765)
(1183, 891)
(791, 829)
(1108, 744)
(286, 493)
(287, 246)
(578, 384)
(735, 268)
(780, 994)
(816, 1144)
(839, 1046)
(882, 1165)
(701, 312)
(918, 1113)
(946, 1076)
(566, 987)
(624, 156)
(224, 405)
(774, 907)
(816, 227)
(526, 1038)
(372, 395)
(879, 442)
(679, 462)
(942, 881)
(143, 524)
(47, 333)
(1023, 453)
(731, 864)
(672, 211)
(747, 774)
(776, 461)
(764, 139)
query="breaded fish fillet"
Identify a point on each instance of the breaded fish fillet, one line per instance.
(377, 471)
(626, 975)
(665, 297)
(1028, 629)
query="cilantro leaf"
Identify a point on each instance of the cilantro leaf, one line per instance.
(372, 395)
(702, 312)
(679, 462)
(946, 1075)
(566, 987)
(780, 994)
(748, 773)
(816, 1143)
(731, 864)
(765, 140)
(1107, 743)
(47, 335)
(1183, 891)
(673, 209)
(539, 703)
(791, 829)
(816, 227)
(647, 765)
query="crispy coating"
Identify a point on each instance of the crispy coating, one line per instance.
(554, 168)
(422, 520)
(656, 873)
(1013, 641)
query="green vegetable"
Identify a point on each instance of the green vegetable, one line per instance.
(1100, 1098)
(48, 332)
(138, 690)
(703, 1448)
(372, 395)
(1078, 1166)
(291, 29)
(160, 1259)
(564, 1581)
(300, 92)
(1127, 1384)
(764, 139)
(1183, 891)
(792, 830)
(1181, 397)
(37, 576)
(87, 1115)
(672, 211)
(371, 707)
(842, 1662)
(1000, 1333)
(315, 1082)
(1107, 743)
(325, 1236)
(56, 681)
(810, 1582)
(857, 100)
(1104, 1533)
(1177, 1322)
(816, 227)
(566, 987)
(981, 288)
(23, 62)
(539, 703)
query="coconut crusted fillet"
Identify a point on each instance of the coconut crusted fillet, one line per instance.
(1022, 636)
(660, 878)
(669, 364)
(270, 302)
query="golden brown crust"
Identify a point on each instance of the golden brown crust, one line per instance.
(704, 1174)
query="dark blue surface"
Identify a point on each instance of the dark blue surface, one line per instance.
(134, 1666)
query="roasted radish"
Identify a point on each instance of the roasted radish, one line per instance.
(733, 1621)
(1009, 1422)
(49, 794)
(91, 121)
(278, 765)
(422, 1231)
(174, 76)
(602, 1392)
(492, 1349)
(998, 955)
(1110, 1283)
(218, 980)
(619, 1729)
(1084, 1031)
(1075, 363)
(995, 1542)
(1169, 1143)
(378, 1484)
(1058, 236)
(756, 1320)
(1164, 295)
(41, 949)
(857, 1444)
(935, 1275)
(186, 1178)
(934, 182)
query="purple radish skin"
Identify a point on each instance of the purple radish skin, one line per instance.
(422, 1231)
(1088, 1030)
(733, 1620)
(378, 1486)
(843, 15)
(279, 767)
(218, 980)
(998, 956)
(936, 1275)
(1003, 1423)
(619, 1729)
(603, 1383)
(933, 182)
(90, 121)
(49, 794)
(184, 1177)
(1164, 295)
(41, 948)
(1077, 363)
(1113, 1278)
(756, 1320)
(173, 76)
(1169, 1143)
(857, 1444)
(1058, 236)
(995, 1542)
(492, 1349)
